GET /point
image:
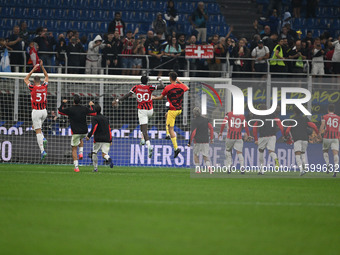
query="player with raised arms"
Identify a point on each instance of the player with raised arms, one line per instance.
(102, 140)
(330, 125)
(267, 136)
(234, 139)
(299, 134)
(174, 93)
(77, 115)
(39, 103)
(143, 93)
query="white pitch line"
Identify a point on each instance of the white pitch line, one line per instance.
(168, 202)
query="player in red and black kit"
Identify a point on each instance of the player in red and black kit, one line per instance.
(145, 106)
(234, 137)
(200, 128)
(38, 102)
(174, 93)
(77, 115)
(330, 125)
(102, 137)
(299, 134)
(267, 136)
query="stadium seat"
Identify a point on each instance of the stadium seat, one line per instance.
(213, 8)
(317, 33)
(132, 6)
(5, 12)
(50, 25)
(78, 25)
(150, 16)
(80, 4)
(131, 26)
(144, 27)
(89, 26)
(183, 18)
(55, 3)
(103, 27)
(48, 13)
(335, 25)
(60, 14)
(121, 5)
(138, 17)
(311, 23)
(102, 15)
(108, 5)
(64, 25)
(94, 4)
(186, 7)
(160, 5)
(324, 23)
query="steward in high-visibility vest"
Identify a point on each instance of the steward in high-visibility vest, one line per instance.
(298, 54)
(277, 64)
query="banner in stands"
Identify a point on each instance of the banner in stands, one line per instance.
(199, 51)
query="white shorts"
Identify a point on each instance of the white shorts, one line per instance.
(144, 115)
(105, 147)
(38, 117)
(267, 142)
(333, 144)
(201, 148)
(300, 146)
(76, 138)
(318, 69)
(237, 144)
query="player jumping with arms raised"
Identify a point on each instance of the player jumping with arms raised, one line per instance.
(38, 102)
(174, 93)
(234, 137)
(330, 124)
(300, 137)
(145, 106)
(102, 137)
(77, 115)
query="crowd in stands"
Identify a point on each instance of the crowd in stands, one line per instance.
(120, 51)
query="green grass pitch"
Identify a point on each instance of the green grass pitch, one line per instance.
(129, 210)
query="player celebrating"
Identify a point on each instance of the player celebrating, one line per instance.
(174, 93)
(77, 115)
(234, 137)
(330, 125)
(102, 137)
(145, 106)
(200, 128)
(38, 102)
(300, 137)
(267, 139)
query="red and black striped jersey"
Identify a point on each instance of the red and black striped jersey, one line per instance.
(143, 95)
(332, 124)
(127, 46)
(174, 93)
(235, 124)
(38, 96)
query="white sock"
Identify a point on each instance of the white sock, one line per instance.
(107, 157)
(208, 163)
(40, 141)
(75, 162)
(95, 160)
(81, 150)
(336, 161)
(148, 143)
(299, 162)
(261, 159)
(229, 158)
(303, 158)
(326, 157)
(241, 159)
(273, 155)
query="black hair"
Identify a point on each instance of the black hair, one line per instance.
(36, 78)
(144, 79)
(76, 99)
(173, 76)
(97, 108)
(331, 108)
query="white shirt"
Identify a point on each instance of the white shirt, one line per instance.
(336, 55)
(258, 53)
(317, 60)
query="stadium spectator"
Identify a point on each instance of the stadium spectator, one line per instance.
(173, 51)
(110, 53)
(240, 51)
(215, 64)
(33, 55)
(159, 25)
(138, 49)
(311, 8)
(171, 16)
(274, 4)
(149, 39)
(45, 41)
(193, 62)
(277, 64)
(93, 58)
(74, 59)
(285, 20)
(156, 52)
(260, 53)
(296, 4)
(16, 43)
(198, 21)
(127, 50)
(328, 57)
(317, 58)
(181, 60)
(24, 33)
(69, 34)
(117, 25)
(336, 56)
(299, 54)
(273, 22)
(61, 50)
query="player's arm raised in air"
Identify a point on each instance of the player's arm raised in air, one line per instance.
(27, 78)
(44, 70)
(62, 108)
(161, 85)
